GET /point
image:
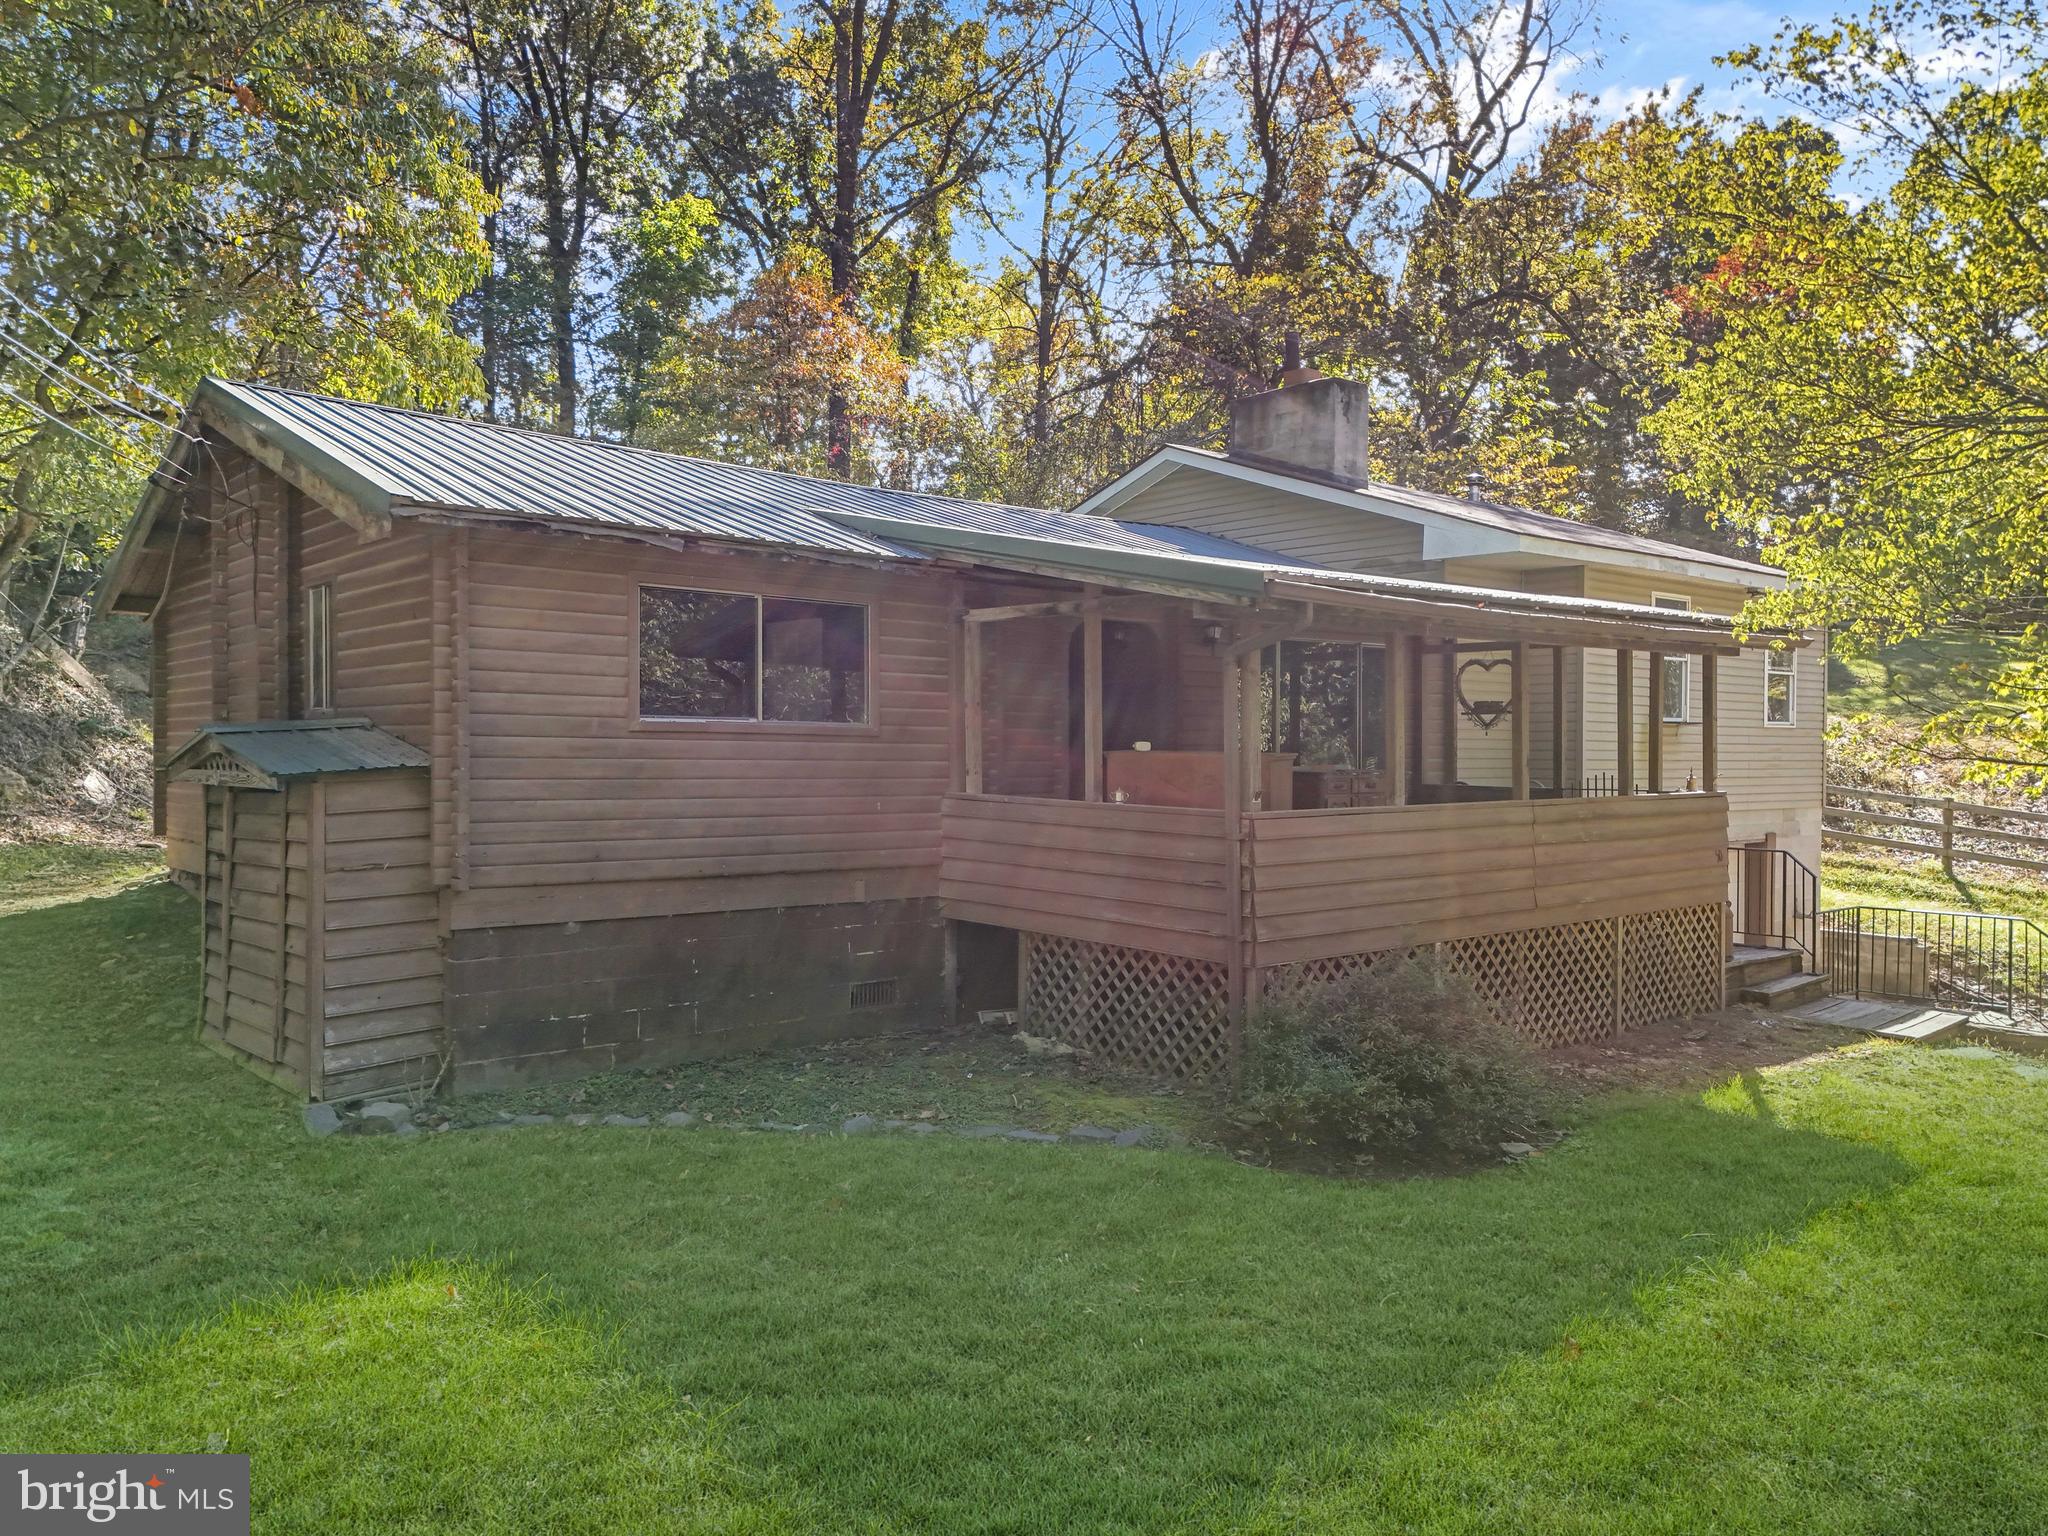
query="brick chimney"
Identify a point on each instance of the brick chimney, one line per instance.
(1310, 422)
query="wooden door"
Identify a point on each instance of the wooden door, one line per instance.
(254, 942)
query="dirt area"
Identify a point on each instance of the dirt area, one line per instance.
(1689, 1052)
(74, 746)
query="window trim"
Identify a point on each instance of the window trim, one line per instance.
(1790, 672)
(741, 724)
(317, 643)
(1673, 601)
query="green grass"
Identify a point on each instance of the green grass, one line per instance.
(1915, 679)
(1810, 1300)
(36, 874)
(1848, 879)
(950, 1083)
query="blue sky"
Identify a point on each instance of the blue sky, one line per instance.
(1645, 46)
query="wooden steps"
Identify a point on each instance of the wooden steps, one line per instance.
(1891, 1021)
(1772, 978)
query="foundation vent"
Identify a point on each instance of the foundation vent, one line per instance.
(873, 994)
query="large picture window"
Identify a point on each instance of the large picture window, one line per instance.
(734, 656)
(1780, 680)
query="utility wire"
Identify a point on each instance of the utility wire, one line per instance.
(17, 344)
(89, 353)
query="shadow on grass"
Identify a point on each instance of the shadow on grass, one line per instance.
(945, 1335)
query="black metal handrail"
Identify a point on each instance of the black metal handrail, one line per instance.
(1777, 901)
(1977, 962)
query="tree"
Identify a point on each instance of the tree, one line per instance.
(271, 190)
(856, 134)
(1875, 403)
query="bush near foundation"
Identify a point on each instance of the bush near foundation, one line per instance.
(1399, 1061)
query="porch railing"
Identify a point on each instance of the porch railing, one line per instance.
(1776, 901)
(1977, 962)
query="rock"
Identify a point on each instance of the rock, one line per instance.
(921, 1128)
(582, 1119)
(533, 1119)
(1096, 1133)
(1041, 1045)
(1517, 1149)
(625, 1120)
(679, 1118)
(389, 1110)
(322, 1119)
(372, 1125)
(96, 789)
(1018, 1133)
(858, 1125)
(1136, 1136)
(1695, 1034)
(13, 789)
(782, 1125)
(406, 1128)
(983, 1132)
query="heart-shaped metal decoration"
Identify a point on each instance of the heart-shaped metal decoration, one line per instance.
(1485, 713)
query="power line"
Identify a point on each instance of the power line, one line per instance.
(98, 444)
(20, 347)
(89, 353)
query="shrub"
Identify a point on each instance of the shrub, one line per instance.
(1400, 1060)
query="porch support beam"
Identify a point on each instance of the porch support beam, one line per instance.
(1091, 707)
(1394, 710)
(1415, 696)
(1625, 722)
(1710, 724)
(971, 711)
(1449, 724)
(1250, 736)
(1102, 607)
(1557, 718)
(1234, 712)
(1654, 731)
(1518, 674)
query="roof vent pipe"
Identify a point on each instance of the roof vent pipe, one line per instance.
(1473, 486)
(1312, 422)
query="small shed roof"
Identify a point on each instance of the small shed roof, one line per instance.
(281, 750)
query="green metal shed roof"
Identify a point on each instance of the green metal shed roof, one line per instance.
(299, 749)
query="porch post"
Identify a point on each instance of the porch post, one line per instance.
(1415, 695)
(1449, 652)
(1710, 723)
(1518, 682)
(1625, 721)
(1655, 732)
(1251, 739)
(1091, 706)
(1557, 718)
(1234, 714)
(970, 684)
(1394, 705)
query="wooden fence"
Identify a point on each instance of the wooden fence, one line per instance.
(1937, 827)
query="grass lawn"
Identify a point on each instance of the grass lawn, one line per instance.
(1852, 879)
(1810, 1299)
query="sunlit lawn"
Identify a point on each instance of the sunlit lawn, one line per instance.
(1850, 879)
(1812, 1300)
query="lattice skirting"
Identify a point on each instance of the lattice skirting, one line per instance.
(1131, 1007)
(1575, 982)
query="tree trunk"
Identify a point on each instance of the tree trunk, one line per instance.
(561, 289)
(842, 259)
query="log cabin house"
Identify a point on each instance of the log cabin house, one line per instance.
(492, 753)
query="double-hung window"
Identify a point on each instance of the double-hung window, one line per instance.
(738, 656)
(1677, 669)
(1780, 687)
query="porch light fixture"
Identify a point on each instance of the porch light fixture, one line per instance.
(1212, 633)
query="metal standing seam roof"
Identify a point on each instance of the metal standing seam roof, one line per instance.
(297, 749)
(404, 459)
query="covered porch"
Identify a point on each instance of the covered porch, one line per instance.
(1178, 803)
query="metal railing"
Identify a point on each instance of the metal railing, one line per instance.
(1776, 901)
(1975, 962)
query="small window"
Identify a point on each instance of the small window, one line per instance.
(732, 656)
(1780, 678)
(1677, 669)
(319, 661)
